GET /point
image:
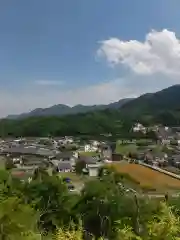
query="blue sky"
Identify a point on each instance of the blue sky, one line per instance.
(80, 51)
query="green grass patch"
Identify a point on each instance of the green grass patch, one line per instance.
(89, 154)
(157, 148)
(2, 162)
(126, 148)
(73, 176)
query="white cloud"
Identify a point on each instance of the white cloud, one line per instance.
(159, 53)
(155, 64)
(48, 82)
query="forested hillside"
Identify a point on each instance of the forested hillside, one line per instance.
(44, 209)
(161, 107)
(61, 109)
(152, 103)
(92, 123)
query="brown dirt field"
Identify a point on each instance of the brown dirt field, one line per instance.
(147, 176)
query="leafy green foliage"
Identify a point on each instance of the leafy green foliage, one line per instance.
(161, 107)
(51, 198)
(16, 219)
(80, 165)
(9, 164)
(45, 207)
(102, 204)
(91, 123)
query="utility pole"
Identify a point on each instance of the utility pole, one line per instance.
(137, 228)
(137, 223)
(166, 197)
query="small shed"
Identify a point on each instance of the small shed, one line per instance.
(117, 157)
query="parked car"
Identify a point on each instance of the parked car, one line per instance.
(67, 180)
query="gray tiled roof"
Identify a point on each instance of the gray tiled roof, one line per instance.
(176, 157)
(64, 165)
(45, 152)
(64, 155)
(19, 149)
(87, 159)
(29, 150)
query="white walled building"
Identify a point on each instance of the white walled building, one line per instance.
(95, 143)
(90, 148)
(138, 127)
(93, 169)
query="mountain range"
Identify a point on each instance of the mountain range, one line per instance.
(147, 104)
(61, 109)
(167, 99)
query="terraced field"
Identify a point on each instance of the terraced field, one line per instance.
(148, 177)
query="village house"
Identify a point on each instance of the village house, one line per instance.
(65, 141)
(29, 150)
(174, 160)
(87, 159)
(90, 148)
(138, 127)
(106, 152)
(95, 143)
(117, 157)
(156, 158)
(66, 157)
(165, 134)
(65, 166)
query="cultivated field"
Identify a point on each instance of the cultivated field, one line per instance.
(147, 177)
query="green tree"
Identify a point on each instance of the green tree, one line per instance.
(40, 174)
(52, 199)
(102, 203)
(80, 165)
(163, 226)
(9, 164)
(17, 221)
(9, 186)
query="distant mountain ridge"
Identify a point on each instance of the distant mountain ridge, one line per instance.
(61, 109)
(162, 107)
(167, 99)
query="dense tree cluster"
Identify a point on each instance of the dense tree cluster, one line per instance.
(90, 123)
(161, 107)
(45, 207)
(97, 123)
